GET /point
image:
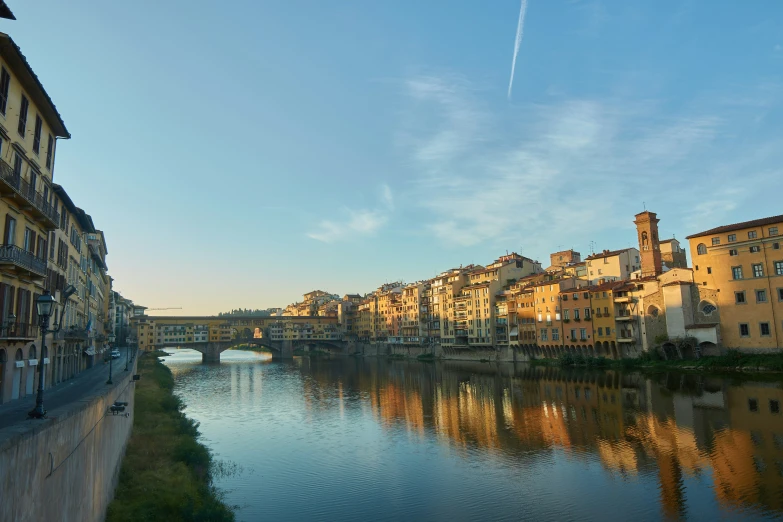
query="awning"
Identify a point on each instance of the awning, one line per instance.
(90, 351)
(514, 331)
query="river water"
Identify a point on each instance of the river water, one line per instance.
(373, 439)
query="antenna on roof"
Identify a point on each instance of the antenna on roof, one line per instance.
(592, 247)
(644, 205)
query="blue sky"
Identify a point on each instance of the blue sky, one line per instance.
(238, 154)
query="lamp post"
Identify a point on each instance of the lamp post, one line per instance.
(45, 306)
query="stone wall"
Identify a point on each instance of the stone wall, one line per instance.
(66, 467)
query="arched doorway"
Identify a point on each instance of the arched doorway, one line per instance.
(30, 382)
(3, 360)
(670, 351)
(708, 348)
(16, 385)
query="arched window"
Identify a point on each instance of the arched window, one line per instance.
(701, 249)
(653, 311)
(644, 240)
(31, 353)
(707, 307)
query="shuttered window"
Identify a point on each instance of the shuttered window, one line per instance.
(23, 115)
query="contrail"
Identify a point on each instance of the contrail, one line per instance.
(520, 32)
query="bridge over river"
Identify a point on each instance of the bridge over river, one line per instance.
(213, 335)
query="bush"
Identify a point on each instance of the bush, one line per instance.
(566, 360)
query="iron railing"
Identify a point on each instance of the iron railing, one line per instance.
(20, 331)
(72, 334)
(21, 258)
(28, 192)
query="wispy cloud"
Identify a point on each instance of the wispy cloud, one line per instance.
(570, 168)
(351, 223)
(517, 43)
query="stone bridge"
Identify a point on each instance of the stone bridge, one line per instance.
(281, 350)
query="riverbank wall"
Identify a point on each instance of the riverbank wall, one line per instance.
(497, 354)
(65, 467)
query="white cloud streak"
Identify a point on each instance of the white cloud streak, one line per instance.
(351, 224)
(517, 43)
(573, 169)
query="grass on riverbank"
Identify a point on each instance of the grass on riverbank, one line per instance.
(732, 361)
(166, 472)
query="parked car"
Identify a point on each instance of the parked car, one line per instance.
(115, 354)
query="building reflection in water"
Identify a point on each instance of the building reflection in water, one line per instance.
(671, 426)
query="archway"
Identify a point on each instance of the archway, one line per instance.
(670, 351)
(3, 360)
(30, 382)
(16, 386)
(615, 354)
(708, 348)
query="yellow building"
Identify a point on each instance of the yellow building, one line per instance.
(29, 127)
(744, 262)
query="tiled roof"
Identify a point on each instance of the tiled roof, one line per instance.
(739, 226)
(607, 253)
(7, 42)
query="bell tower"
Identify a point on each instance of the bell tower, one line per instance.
(649, 245)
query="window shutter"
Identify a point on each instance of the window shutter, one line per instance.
(35, 309)
(8, 240)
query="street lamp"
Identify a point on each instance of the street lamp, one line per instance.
(45, 306)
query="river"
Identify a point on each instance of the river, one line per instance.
(375, 439)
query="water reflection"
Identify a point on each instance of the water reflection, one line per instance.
(370, 438)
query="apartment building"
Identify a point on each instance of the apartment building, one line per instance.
(743, 262)
(612, 265)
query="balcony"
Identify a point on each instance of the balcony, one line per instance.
(625, 339)
(623, 315)
(22, 261)
(73, 334)
(20, 331)
(624, 299)
(15, 187)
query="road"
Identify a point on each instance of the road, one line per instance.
(87, 383)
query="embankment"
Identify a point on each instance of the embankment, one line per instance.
(65, 467)
(167, 473)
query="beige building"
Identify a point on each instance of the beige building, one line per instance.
(743, 264)
(612, 265)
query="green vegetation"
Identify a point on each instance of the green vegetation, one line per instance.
(166, 473)
(395, 356)
(426, 357)
(732, 361)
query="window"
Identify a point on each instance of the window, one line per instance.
(715, 241)
(773, 231)
(736, 272)
(755, 249)
(732, 238)
(600, 331)
(576, 314)
(708, 308)
(778, 267)
(5, 83)
(583, 334)
(764, 329)
(49, 152)
(752, 234)
(10, 229)
(775, 246)
(37, 134)
(22, 127)
(758, 270)
(744, 330)
(774, 406)
(566, 313)
(543, 334)
(701, 249)
(555, 334)
(573, 334)
(733, 252)
(709, 269)
(753, 405)
(761, 296)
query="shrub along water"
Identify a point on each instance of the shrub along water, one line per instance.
(166, 473)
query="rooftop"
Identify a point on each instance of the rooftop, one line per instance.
(739, 226)
(607, 253)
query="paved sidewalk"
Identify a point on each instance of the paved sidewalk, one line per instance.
(86, 383)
